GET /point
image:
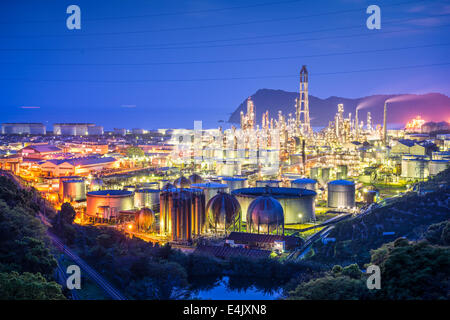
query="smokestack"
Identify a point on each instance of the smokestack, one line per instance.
(384, 124)
(356, 123)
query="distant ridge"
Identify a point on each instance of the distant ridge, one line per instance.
(431, 107)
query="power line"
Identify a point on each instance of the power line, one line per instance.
(163, 14)
(230, 78)
(237, 60)
(127, 48)
(72, 34)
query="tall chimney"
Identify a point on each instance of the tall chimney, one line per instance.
(356, 123)
(384, 124)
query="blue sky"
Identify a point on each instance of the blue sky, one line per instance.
(147, 63)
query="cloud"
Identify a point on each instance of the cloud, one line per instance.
(30, 107)
(128, 106)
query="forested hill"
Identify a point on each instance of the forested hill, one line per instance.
(26, 263)
(410, 216)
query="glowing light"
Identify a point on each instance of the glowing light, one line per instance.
(130, 226)
(415, 124)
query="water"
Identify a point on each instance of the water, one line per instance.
(237, 289)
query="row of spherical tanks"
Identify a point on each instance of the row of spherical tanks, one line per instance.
(223, 211)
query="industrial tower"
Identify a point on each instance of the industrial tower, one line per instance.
(302, 105)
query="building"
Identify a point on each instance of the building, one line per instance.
(23, 128)
(77, 166)
(76, 129)
(40, 151)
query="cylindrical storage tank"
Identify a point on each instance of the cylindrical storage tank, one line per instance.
(62, 179)
(146, 198)
(326, 174)
(74, 190)
(419, 168)
(437, 166)
(298, 204)
(182, 213)
(341, 194)
(370, 196)
(406, 171)
(304, 183)
(234, 183)
(342, 171)
(270, 183)
(130, 188)
(265, 215)
(315, 173)
(96, 184)
(115, 200)
(210, 189)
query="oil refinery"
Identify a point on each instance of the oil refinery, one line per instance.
(278, 177)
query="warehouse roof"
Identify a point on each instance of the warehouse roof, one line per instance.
(43, 148)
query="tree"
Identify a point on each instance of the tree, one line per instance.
(134, 152)
(67, 213)
(28, 286)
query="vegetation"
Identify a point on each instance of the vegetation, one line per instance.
(134, 152)
(409, 271)
(26, 263)
(409, 216)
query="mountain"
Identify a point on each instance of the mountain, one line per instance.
(430, 106)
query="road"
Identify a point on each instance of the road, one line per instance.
(94, 275)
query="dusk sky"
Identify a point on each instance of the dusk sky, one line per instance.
(159, 64)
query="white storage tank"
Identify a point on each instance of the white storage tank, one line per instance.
(73, 190)
(234, 183)
(298, 204)
(341, 194)
(437, 166)
(148, 198)
(210, 189)
(108, 203)
(304, 183)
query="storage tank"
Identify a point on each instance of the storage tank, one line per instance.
(304, 183)
(162, 183)
(145, 219)
(182, 213)
(195, 178)
(298, 204)
(234, 183)
(130, 188)
(437, 166)
(341, 194)
(182, 182)
(146, 198)
(265, 215)
(342, 172)
(73, 190)
(418, 168)
(224, 213)
(326, 174)
(96, 184)
(370, 196)
(315, 173)
(108, 203)
(62, 179)
(270, 183)
(210, 189)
